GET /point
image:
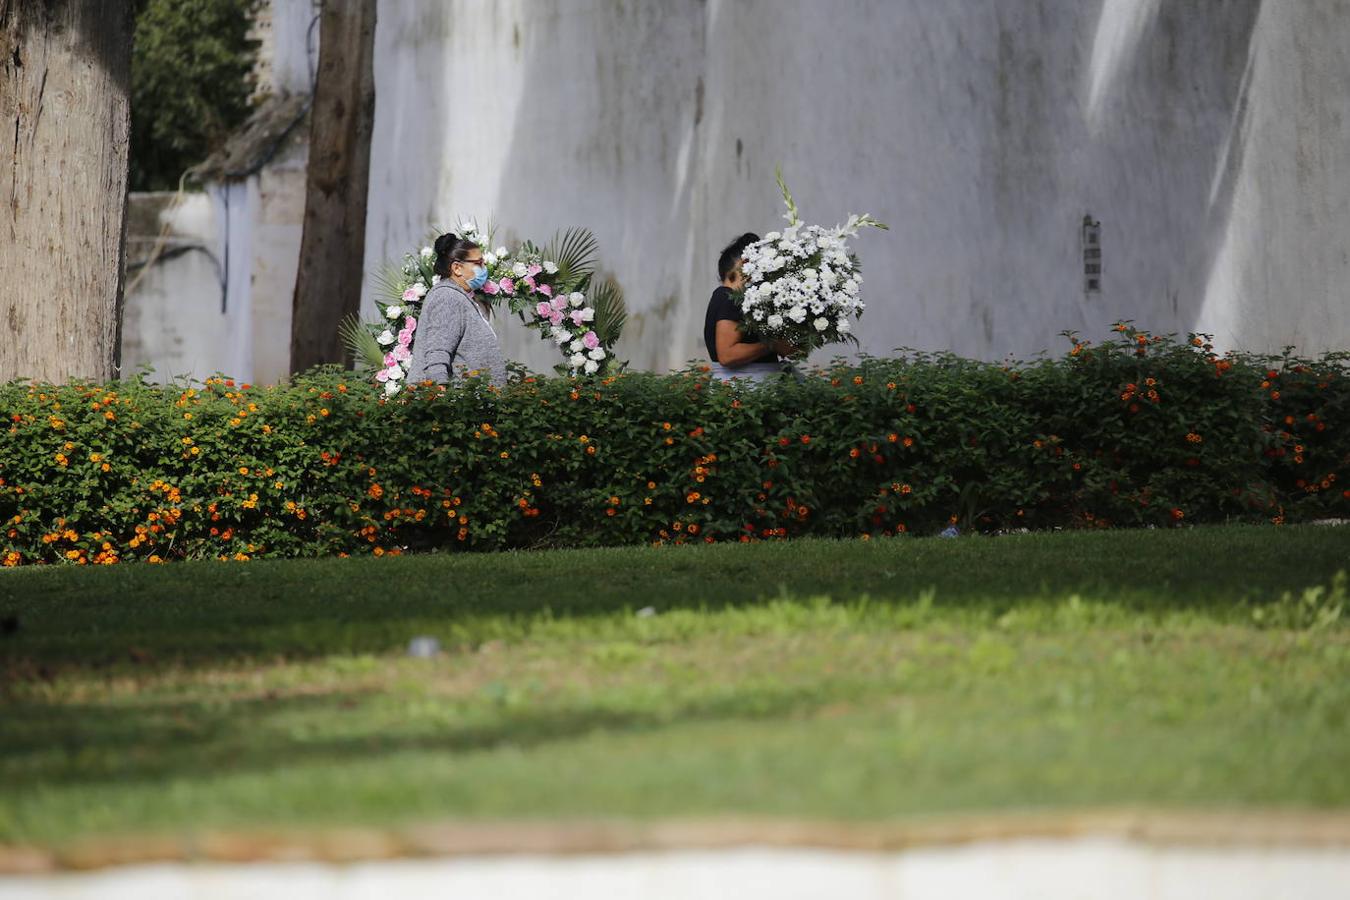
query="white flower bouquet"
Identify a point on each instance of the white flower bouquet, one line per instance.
(803, 284)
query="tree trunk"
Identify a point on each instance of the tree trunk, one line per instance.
(63, 186)
(328, 282)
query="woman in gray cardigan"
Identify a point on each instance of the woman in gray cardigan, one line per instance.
(454, 333)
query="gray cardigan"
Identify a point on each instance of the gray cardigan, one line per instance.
(453, 338)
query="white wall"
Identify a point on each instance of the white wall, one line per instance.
(1211, 140)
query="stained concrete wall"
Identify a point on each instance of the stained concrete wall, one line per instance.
(1212, 141)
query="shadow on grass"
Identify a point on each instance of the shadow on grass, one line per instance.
(203, 614)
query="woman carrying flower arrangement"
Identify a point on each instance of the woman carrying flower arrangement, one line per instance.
(733, 353)
(454, 334)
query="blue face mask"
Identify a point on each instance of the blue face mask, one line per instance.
(479, 278)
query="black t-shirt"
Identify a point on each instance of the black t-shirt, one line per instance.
(722, 306)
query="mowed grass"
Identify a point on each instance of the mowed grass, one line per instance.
(812, 679)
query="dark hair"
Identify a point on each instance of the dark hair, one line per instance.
(451, 248)
(733, 253)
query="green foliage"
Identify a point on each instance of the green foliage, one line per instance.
(189, 85)
(1138, 431)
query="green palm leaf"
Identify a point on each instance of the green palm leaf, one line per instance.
(365, 351)
(574, 251)
(611, 313)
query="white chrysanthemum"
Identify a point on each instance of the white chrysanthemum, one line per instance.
(591, 367)
(391, 387)
(519, 269)
(550, 267)
(576, 298)
(774, 321)
(576, 360)
(577, 346)
(386, 337)
(821, 324)
(393, 312)
(597, 353)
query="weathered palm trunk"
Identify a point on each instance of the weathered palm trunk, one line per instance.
(65, 119)
(328, 283)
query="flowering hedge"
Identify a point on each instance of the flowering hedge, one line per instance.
(1139, 430)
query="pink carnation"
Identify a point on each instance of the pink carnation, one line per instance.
(534, 270)
(382, 375)
(575, 316)
(507, 285)
(559, 303)
(410, 324)
(402, 353)
(529, 282)
(591, 340)
(389, 360)
(410, 296)
(555, 318)
(543, 310)
(546, 290)
(490, 287)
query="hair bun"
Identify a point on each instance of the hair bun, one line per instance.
(446, 242)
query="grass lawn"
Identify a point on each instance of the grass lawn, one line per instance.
(811, 679)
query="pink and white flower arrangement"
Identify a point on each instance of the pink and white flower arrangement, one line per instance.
(546, 295)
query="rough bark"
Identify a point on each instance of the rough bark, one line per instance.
(64, 134)
(328, 282)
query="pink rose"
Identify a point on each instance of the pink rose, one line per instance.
(401, 353)
(555, 318)
(389, 360)
(591, 340)
(543, 310)
(534, 270)
(404, 338)
(382, 375)
(559, 303)
(529, 282)
(490, 287)
(575, 316)
(410, 324)
(546, 290)
(507, 285)
(410, 296)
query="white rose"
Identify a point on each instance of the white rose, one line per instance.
(519, 269)
(391, 387)
(490, 258)
(797, 314)
(587, 314)
(821, 324)
(419, 289)
(576, 298)
(386, 337)
(393, 312)
(577, 346)
(427, 251)
(396, 371)
(550, 267)
(576, 360)
(597, 353)
(502, 253)
(775, 321)
(592, 367)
